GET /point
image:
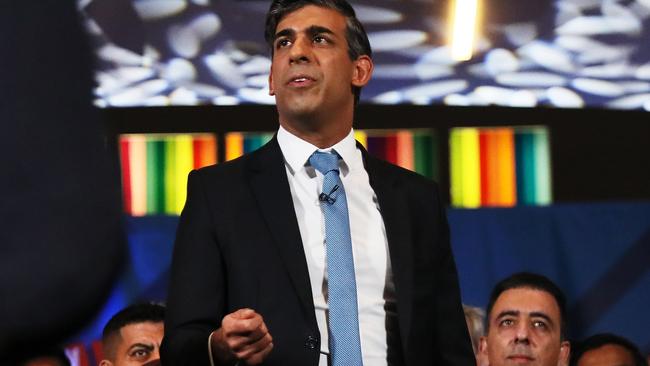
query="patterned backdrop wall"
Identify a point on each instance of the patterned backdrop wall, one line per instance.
(561, 53)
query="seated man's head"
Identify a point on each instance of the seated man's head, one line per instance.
(133, 336)
(607, 349)
(526, 323)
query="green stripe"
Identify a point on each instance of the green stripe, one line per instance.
(525, 159)
(160, 175)
(169, 174)
(152, 182)
(422, 156)
(456, 168)
(542, 167)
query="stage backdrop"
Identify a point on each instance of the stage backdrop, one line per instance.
(555, 53)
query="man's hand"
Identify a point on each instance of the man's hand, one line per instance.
(243, 336)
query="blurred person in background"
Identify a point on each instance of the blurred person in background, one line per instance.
(61, 238)
(474, 316)
(607, 349)
(475, 319)
(49, 356)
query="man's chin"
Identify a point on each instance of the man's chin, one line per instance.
(300, 110)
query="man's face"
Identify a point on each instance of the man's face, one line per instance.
(524, 329)
(607, 355)
(139, 345)
(312, 73)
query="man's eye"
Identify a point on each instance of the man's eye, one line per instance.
(282, 43)
(539, 324)
(320, 39)
(506, 322)
(140, 353)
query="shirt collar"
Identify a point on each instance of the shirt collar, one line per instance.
(297, 151)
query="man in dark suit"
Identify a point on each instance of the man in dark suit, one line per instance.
(254, 279)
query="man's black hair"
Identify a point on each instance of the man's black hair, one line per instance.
(355, 35)
(532, 281)
(598, 340)
(136, 313)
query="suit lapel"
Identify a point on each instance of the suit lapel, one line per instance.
(268, 181)
(396, 218)
(270, 186)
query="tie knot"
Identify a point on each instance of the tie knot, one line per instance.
(324, 162)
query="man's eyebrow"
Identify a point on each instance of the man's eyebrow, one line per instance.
(317, 29)
(507, 313)
(311, 31)
(284, 33)
(539, 314)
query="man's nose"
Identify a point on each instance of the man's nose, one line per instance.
(301, 50)
(522, 333)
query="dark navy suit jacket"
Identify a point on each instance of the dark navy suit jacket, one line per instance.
(238, 245)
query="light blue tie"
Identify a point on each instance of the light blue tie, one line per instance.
(344, 340)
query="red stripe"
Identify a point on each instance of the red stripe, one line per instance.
(391, 148)
(485, 178)
(197, 144)
(126, 174)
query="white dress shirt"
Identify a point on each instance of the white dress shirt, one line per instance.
(369, 245)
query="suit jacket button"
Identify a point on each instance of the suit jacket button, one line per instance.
(311, 342)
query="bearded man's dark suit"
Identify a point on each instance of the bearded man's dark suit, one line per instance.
(239, 246)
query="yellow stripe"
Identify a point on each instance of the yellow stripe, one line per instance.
(184, 164)
(138, 163)
(234, 145)
(471, 167)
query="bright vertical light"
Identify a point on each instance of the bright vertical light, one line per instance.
(465, 14)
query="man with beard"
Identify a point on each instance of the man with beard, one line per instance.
(526, 323)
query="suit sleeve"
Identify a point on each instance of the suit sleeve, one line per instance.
(196, 299)
(452, 336)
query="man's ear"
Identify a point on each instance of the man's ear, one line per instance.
(105, 362)
(482, 345)
(482, 355)
(565, 352)
(271, 91)
(362, 72)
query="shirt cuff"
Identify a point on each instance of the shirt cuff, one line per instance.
(210, 349)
